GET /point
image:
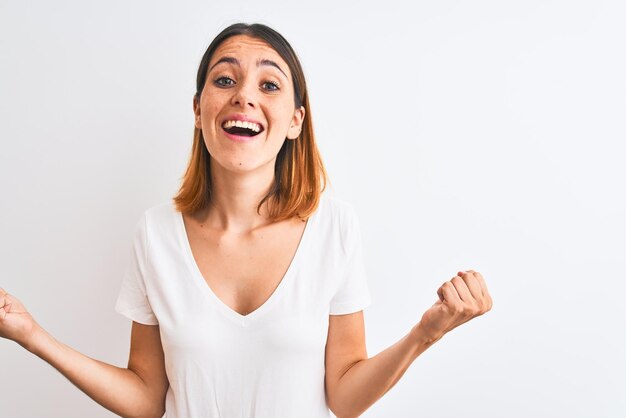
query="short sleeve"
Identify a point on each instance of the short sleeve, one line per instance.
(132, 300)
(353, 293)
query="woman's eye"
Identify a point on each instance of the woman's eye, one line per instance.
(271, 86)
(224, 81)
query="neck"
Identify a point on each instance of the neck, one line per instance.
(235, 198)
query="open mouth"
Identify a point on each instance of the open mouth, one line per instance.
(242, 128)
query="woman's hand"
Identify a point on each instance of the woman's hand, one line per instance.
(462, 298)
(15, 322)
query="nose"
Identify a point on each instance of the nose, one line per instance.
(244, 95)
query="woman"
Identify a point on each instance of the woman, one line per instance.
(246, 292)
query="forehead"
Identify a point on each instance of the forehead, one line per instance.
(246, 48)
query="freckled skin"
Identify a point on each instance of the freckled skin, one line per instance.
(247, 94)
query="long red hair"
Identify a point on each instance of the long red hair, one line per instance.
(299, 174)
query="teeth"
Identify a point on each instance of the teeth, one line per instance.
(242, 124)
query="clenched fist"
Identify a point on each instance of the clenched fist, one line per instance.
(15, 322)
(462, 298)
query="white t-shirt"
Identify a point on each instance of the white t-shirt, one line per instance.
(267, 364)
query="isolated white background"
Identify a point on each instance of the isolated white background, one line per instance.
(480, 135)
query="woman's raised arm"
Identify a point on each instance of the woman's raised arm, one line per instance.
(134, 392)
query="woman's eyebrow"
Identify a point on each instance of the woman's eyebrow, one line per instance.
(228, 60)
(261, 62)
(271, 64)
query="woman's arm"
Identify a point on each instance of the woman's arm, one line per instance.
(366, 380)
(355, 382)
(134, 392)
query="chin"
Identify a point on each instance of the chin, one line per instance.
(240, 165)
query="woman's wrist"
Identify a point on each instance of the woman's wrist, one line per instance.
(35, 339)
(423, 338)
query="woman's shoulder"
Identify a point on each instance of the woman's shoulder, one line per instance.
(334, 206)
(338, 217)
(160, 211)
(160, 218)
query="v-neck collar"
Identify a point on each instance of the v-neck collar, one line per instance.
(244, 320)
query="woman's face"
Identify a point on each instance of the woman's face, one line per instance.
(246, 108)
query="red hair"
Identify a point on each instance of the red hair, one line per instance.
(299, 174)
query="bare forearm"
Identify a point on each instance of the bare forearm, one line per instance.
(117, 389)
(368, 380)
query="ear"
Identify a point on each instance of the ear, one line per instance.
(196, 111)
(296, 123)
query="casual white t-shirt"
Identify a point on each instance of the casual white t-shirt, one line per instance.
(267, 364)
